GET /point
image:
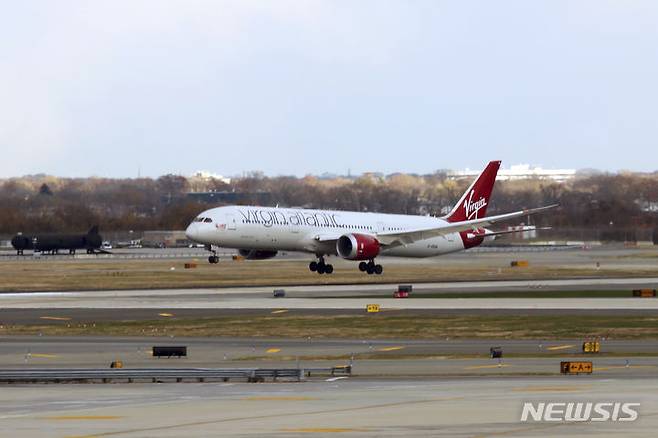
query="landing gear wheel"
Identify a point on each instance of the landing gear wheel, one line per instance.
(363, 266)
(370, 269)
(378, 269)
(213, 259)
(313, 266)
(328, 269)
(321, 268)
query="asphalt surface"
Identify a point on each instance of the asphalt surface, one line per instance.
(392, 358)
(453, 407)
(441, 387)
(344, 297)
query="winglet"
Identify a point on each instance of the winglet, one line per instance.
(473, 203)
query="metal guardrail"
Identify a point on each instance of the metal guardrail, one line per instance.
(155, 375)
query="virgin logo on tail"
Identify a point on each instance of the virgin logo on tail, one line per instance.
(473, 203)
(471, 208)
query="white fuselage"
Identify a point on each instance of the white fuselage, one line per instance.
(292, 229)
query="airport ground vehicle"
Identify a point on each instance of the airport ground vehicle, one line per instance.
(260, 232)
(54, 242)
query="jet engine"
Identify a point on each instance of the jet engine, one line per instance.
(257, 254)
(357, 247)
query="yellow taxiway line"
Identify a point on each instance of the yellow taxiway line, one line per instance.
(390, 348)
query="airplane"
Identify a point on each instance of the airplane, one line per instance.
(260, 232)
(53, 242)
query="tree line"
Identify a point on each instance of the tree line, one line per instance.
(45, 203)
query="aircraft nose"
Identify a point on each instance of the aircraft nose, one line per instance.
(192, 231)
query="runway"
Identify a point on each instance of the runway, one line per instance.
(346, 297)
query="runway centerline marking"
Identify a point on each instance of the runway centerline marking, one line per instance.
(559, 347)
(618, 367)
(477, 367)
(43, 355)
(390, 348)
(274, 312)
(166, 315)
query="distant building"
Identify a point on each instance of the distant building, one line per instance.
(223, 197)
(373, 175)
(520, 171)
(204, 174)
(524, 231)
(164, 239)
(647, 206)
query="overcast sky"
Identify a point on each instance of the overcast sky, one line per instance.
(295, 87)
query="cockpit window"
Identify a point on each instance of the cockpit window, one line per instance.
(207, 220)
(199, 219)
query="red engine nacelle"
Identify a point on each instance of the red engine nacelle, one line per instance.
(257, 254)
(357, 247)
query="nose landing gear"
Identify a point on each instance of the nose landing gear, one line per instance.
(214, 258)
(371, 268)
(321, 267)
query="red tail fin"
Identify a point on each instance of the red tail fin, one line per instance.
(473, 203)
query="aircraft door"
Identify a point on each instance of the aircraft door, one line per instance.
(293, 223)
(231, 223)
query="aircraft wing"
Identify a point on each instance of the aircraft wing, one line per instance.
(500, 233)
(411, 236)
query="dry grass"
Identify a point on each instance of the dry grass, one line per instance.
(154, 274)
(374, 326)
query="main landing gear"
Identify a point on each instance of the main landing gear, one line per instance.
(321, 267)
(371, 268)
